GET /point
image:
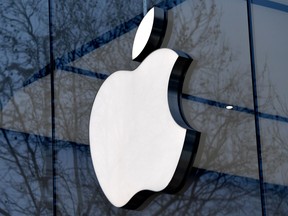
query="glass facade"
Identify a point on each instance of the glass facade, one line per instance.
(56, 54)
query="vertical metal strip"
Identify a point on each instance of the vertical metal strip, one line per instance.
(256, 111)
(52, 68)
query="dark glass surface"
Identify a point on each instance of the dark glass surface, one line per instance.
(45, 162)
(271, 51)
(26, 174)
(26, 168)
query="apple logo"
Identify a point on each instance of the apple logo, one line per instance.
(140, 141)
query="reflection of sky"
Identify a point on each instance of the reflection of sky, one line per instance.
(271, 51)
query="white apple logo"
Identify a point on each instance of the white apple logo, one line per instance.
(139, 139)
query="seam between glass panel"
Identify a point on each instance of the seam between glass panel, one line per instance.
(51, 71)
(256, 112)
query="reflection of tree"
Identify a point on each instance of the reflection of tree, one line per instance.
(26, 160)
(273, 130)
(213, 194)
(230, 139)
(26, 175)
(76, 185)
(229, 144)
(24, 43)
(218, 75)
(75, 23)
(75, 178)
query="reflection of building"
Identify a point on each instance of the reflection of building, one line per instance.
(44, 154)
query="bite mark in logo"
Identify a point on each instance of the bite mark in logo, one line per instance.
(140, 141)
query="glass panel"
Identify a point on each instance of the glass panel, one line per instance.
(25, 110)
(271, 51)
(220, 46)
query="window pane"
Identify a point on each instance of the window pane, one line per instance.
(25, 109)
(271, 61)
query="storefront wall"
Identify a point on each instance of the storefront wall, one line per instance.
(54, 57)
